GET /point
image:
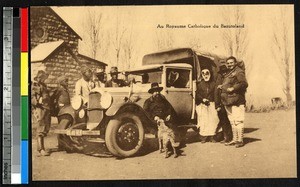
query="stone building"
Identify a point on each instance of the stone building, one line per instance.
(54, 47)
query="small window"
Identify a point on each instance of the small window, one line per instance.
(178, 78)
(40, 32)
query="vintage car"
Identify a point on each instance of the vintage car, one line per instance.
(115, 116)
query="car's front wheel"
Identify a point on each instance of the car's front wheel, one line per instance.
(124, 135)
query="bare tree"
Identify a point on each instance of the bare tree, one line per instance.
(129, 51)
(117, 38)
(195, 43)
(93, 35)
(236, 40)
(282, 42)
(164, 40)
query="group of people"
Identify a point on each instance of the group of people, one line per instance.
(42, 99)
(92, 80)
(221, 103)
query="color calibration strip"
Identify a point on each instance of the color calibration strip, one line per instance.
(15, 96)
(7, 95)
(24, 95)
(16, 99)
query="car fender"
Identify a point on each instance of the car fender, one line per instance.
(132, 108)
(114, 109)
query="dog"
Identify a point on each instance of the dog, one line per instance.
(166, 135)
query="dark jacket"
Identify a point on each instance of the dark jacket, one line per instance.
(219, 81)
(63, 97)
(159, 106)
(40, 95)
(236, 79)
(205, 90)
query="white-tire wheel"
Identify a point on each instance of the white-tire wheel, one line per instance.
(124, 135)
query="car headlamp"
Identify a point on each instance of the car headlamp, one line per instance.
(76, 102)
(81, 113)
(105, 100)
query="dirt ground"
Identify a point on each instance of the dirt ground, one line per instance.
(269, 152)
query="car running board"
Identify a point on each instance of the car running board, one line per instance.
(77, 132)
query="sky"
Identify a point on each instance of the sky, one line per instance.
(142, 21)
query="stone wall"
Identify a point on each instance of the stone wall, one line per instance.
(62, 63)
(90, 63)
(46, 26)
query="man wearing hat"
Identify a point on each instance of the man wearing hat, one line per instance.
(40, 101)
(63, 100)
(114, 81)
(224, 122)
(84, 85)
(63, 96)
(158, 108)
(100, 77)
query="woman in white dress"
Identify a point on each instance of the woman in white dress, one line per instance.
(206, 111)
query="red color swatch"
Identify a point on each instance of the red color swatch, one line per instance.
(24, 29)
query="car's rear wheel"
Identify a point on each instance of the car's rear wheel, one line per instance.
(124, 135)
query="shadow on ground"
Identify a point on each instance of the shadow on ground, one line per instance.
(249, 130)
(151, 145)
(91, 149)
(250, 140)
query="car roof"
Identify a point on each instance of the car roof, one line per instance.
(157, 66)
(143, 69)
(179, 65)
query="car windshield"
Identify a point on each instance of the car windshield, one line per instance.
(147, 77)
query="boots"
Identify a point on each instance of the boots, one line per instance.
(167, 152)
(240, 135)
(234, 136)
(212, 139)
(40, 147)
(175, 152)
(203, 139)
(226, 138)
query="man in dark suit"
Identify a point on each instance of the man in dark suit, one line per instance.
(224, 122)
(160, 110)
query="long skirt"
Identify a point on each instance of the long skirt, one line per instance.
(207, 119)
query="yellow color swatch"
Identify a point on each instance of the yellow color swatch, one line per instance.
(24, 74)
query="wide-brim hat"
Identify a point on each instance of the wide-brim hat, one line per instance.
(100, 70)
(114, 70)
(155, 88)
(40, 74)
(84, 68)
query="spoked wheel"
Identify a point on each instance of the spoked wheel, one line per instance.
(124, 135)
(128, 136)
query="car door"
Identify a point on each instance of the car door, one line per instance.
(178, 91)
